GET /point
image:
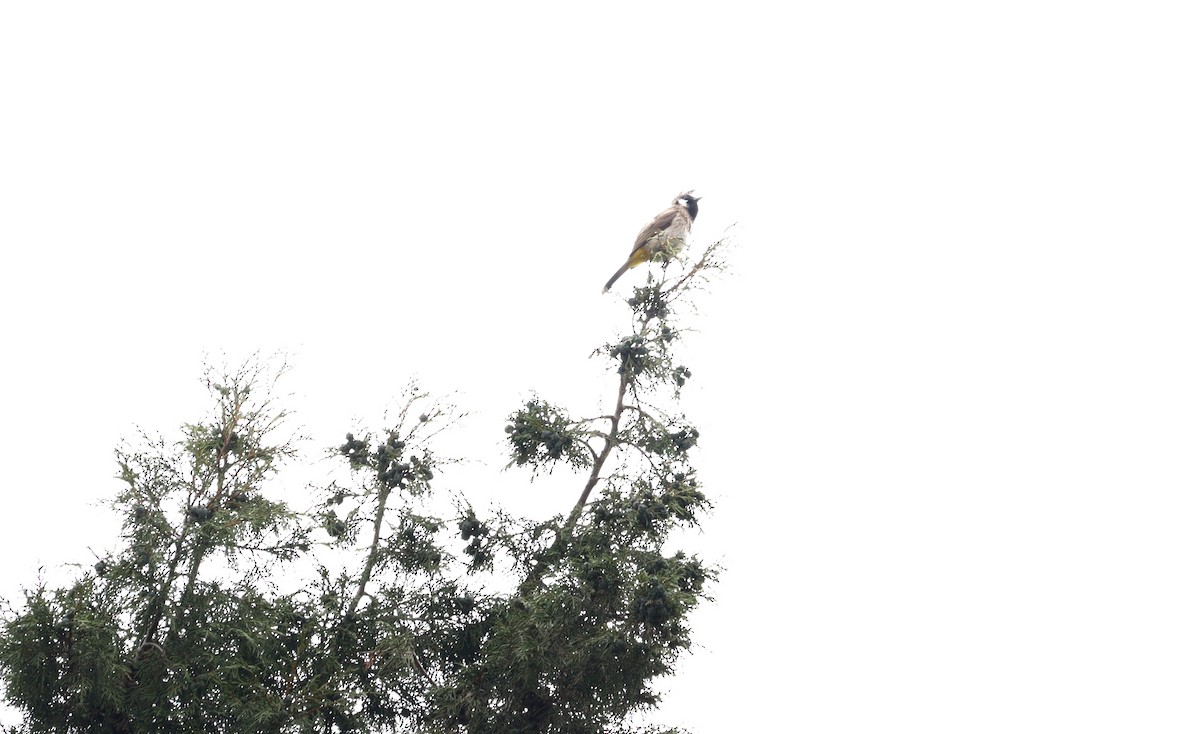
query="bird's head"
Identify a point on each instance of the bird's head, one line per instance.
(689, 202)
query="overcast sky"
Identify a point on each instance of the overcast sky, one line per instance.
(948, 395)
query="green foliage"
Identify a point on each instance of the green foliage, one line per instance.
(541, 435)
(397, 617)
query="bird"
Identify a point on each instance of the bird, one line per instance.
(667, 234)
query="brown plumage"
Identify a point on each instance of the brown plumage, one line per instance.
(667, 234)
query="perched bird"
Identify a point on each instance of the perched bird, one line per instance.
(666, 234)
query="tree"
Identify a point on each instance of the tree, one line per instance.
(556, 625)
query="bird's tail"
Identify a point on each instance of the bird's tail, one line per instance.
(616, 275)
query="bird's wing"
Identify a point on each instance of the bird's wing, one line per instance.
(661, 222)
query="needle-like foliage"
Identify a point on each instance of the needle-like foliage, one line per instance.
(399, 616)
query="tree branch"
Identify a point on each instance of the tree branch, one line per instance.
(373, 555)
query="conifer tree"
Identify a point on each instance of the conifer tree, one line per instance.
(399, 616)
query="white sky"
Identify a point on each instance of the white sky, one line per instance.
(949, 398)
